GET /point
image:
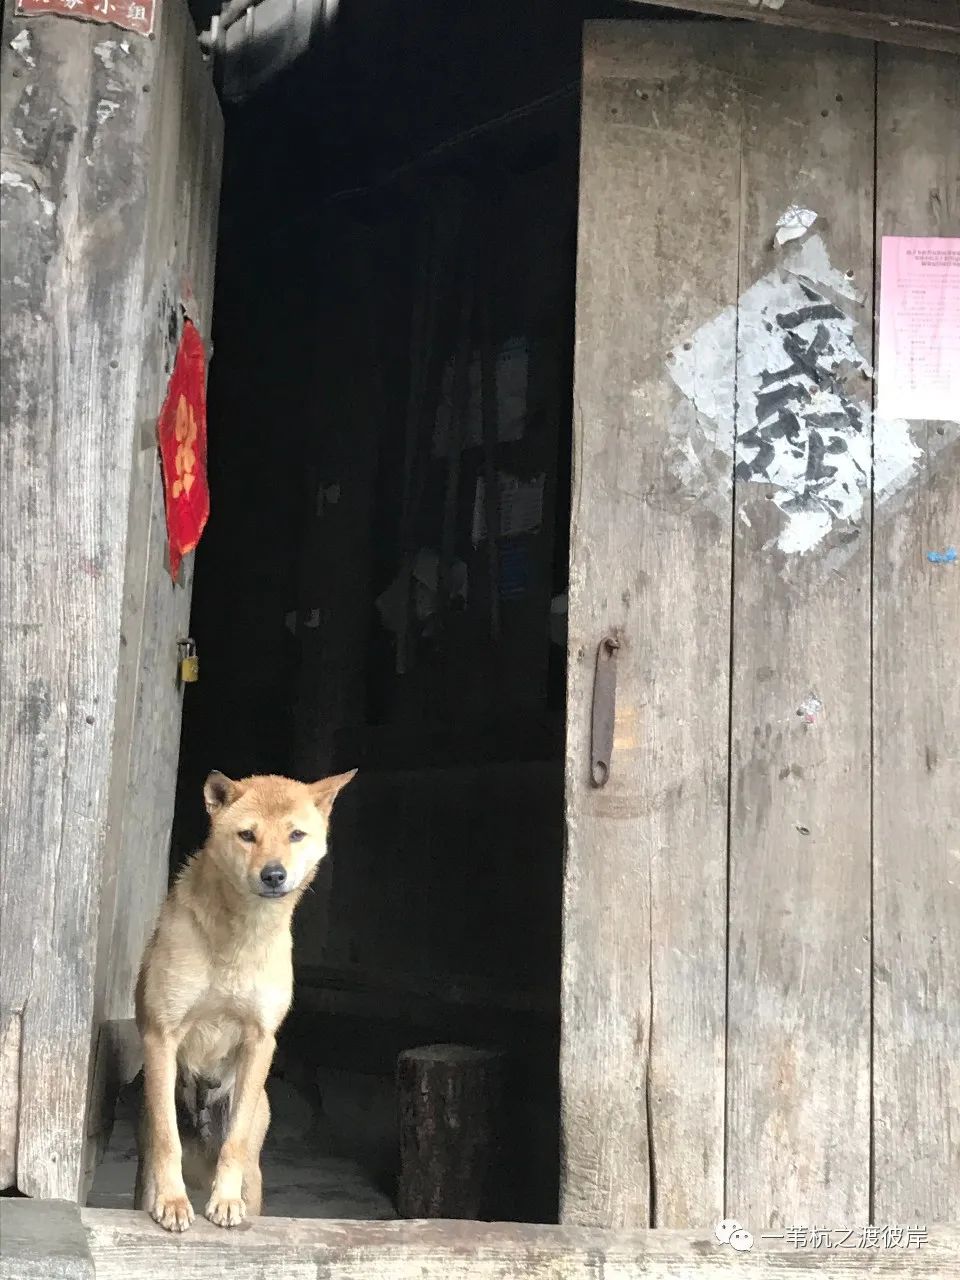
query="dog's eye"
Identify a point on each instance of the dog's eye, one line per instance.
(248, 837)
(297, 835)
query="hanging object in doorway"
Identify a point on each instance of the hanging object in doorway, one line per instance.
(520, 506)
(510, 380)
(182, 435)
(423, 583)
(514, 568)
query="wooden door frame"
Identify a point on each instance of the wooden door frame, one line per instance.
(434, 1247)
(922, 24)
(111, 159)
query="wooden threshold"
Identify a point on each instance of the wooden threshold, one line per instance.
(59, 1241)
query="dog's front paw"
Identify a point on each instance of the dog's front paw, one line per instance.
(173, 1212)
(226, 1212)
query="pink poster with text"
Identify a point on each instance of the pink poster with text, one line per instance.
(919, 350)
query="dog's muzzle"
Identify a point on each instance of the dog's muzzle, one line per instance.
(274, 882)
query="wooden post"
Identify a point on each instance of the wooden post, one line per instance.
(450, 1106)
(641, 1065)
(95, 201)
(798, 991)
(916, 705)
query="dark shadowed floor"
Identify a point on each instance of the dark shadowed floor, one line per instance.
(305, 1174)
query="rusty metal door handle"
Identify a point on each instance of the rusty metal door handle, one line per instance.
(604, 710)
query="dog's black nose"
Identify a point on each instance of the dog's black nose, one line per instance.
(273, 875)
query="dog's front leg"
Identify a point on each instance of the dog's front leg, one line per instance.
(226, 1207)
(165, 1196)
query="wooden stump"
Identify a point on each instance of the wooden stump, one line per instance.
(450, 1110)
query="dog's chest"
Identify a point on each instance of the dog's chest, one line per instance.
(211, 1045)
(233, 1004)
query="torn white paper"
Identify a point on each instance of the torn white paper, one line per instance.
(811, 263)
(794, 223)
(21, 45)
(788, 355)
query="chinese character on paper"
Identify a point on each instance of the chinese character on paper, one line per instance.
(130, 15)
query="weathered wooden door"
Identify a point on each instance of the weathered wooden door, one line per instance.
(111, 172)
(761, 958)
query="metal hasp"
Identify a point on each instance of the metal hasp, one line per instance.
(604, 710)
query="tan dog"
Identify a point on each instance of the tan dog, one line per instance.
(215, 984)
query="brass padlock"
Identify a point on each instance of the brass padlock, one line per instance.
(189, 662)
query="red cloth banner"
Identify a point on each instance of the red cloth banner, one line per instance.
(182, 434)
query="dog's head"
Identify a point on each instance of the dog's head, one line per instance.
(268, 834)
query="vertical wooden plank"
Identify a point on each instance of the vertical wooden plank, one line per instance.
(72, 270)
(183, 151)
(644, 926)
(77, 126)
(916, 623)
(799, 999)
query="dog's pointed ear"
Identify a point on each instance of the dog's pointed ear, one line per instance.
(219, 791)
(326, 790)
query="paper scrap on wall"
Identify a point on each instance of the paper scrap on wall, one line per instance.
(919, 350)
(794, 223)
(779, 384)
